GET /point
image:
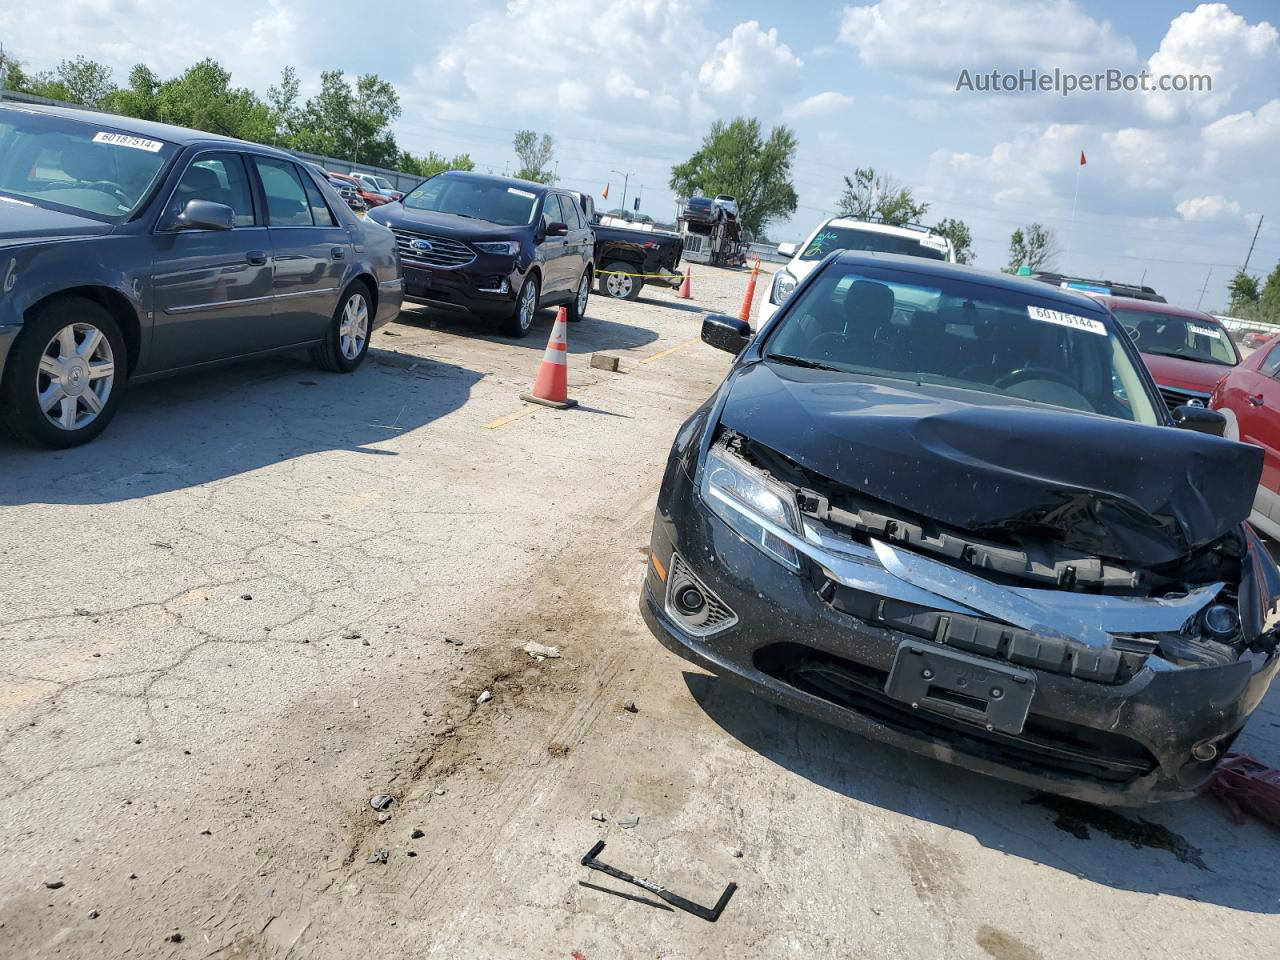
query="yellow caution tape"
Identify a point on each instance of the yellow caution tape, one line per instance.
(647, 276)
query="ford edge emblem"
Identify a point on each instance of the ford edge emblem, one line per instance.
(420, 244)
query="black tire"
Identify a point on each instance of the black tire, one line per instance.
(622, 287)
(520, 322)
(342, 349)
(21, 415)
(578, 305)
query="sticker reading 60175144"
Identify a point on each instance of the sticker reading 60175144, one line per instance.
(1067, 320)
(124, 140)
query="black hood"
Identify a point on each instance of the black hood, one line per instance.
(24, 222)
(1144, 494)
(397, 215)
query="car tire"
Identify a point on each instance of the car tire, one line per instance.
(578, 305)
(65, 376)
(346, 343)
(521, 320)
(614, 284)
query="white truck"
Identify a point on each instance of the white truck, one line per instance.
(711, 232)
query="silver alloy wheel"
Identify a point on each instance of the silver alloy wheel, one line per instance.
(584, 291)
(618, 285)
(353, 330)
(528, 305)
(75, 376)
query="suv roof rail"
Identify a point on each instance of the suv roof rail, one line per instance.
(1115, 287)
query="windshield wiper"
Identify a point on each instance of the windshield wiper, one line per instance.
(801, 362)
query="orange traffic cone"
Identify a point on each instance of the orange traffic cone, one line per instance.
(551, 388)
(684, 284)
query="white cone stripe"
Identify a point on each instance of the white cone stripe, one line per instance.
(555, 356)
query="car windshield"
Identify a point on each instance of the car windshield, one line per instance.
(493, 201)
(850, 238)
(1168, 335)
(77, 167)
(957, 333)
(381, 184)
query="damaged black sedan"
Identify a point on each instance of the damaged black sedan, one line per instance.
(947, 509)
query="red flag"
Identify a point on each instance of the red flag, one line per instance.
(1082, 158)
(605, 192)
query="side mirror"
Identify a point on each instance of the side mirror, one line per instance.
(787, 250)
(203, 215)
(1191, 416)
(557, 229)
(726, 333)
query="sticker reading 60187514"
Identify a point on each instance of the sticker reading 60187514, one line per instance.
(1067, 320)
(124, 140)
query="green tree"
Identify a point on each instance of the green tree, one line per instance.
(12, 76)
(1034, 247)
(84, 81)
(736, 159)
(957, 231)
(202, 98)
(1269, 300)
(1244, 291)
(138, 99)
(286, 113)
(869, 194)
(534, 156)
(432, 163)
(352, 123)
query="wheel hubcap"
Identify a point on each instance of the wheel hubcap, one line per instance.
(76, 373)
(584, 291)
(353, 330)
(619, 286)
(528, 300)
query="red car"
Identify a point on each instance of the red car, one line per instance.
(1187, 351)
(1249, 397)
(371, 197)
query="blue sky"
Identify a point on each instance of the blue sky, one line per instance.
(1171, 192)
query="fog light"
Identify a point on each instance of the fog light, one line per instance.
(1220, 621)
(690, 601)
(1204, 751)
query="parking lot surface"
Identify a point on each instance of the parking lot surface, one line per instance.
(269, 594)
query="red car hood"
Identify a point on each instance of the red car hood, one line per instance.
(1185, 374)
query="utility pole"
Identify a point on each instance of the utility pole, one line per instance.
(625, 177)
(1204, 288)
(1247, 256)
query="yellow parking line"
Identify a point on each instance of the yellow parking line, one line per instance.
(679, 346)
(494, 424)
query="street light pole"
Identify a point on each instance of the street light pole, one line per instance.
(625, 177)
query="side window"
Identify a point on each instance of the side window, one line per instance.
(551, 211)
(1271, 363)
(219, 178)
(572, 218)
(287, 203)
(319, 209)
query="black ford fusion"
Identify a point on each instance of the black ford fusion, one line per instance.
(946, 509)
(493, 247)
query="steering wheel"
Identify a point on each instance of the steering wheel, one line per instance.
(1032, 373)
(830, 339)
(112, 188)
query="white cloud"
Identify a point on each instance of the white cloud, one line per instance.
(821, 103)
(747, 65)
(1247, 129)
(1207, 208)
(937, 38)
(1213, 40)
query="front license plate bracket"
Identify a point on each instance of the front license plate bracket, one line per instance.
(968, 688)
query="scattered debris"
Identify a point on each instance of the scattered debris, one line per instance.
(411, 853)
(81, 612)
(439, 791)
(540, 651)
(381, 801)
(351, 635)
(1244, 785)
(162, 545)
(598, 815)
(710, 914)
(379, 856)
(735, 852)
(364, 643)
(93, 914)
(484, 697)
(626, 823)
(602, 361)
(630, 707)
(384, 817)
(453, 640)
(53, 884)
(174, 937)
(206, 832)
(246, 596)
(558, 749)
(416, 833)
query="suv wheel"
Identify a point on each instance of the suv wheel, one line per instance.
(578, 308)
(66, 376)
(521, 320)
(616, 281)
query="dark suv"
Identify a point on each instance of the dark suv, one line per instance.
(492, 246)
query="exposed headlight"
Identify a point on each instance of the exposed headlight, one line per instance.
(783, 284)
(742, 496)
(508, 247)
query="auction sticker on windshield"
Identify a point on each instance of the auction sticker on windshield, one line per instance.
(124, 140)
(520, 193)
(1067, 320)
(1203, 331)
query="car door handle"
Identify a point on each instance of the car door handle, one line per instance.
(1256, 400)
(256, 257)
(337, 253)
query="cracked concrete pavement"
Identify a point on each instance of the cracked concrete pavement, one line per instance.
(235, 617)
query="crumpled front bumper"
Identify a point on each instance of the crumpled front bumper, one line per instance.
(1117, 743)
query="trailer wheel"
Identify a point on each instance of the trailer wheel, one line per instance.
(616, 281)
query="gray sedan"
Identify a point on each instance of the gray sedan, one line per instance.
(131, 250)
